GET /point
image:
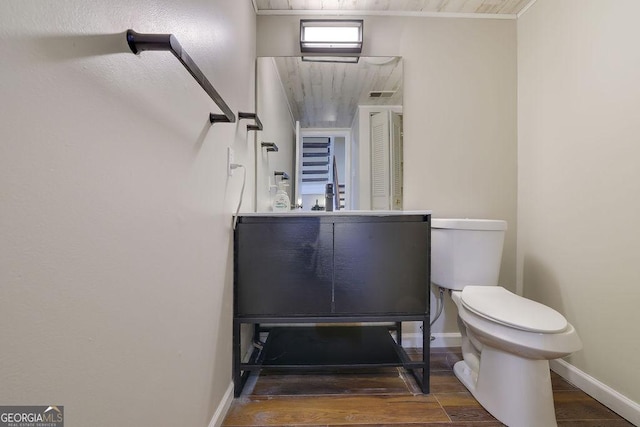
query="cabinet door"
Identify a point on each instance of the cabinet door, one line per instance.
(284, 267)
(381, 267)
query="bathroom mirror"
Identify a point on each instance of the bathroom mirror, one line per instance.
(328, 117)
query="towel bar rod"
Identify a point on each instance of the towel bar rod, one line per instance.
(167, 42)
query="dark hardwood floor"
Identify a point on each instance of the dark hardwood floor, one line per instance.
(390, 397)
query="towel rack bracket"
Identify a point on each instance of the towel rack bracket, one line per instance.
(270, 146)
(252, 116)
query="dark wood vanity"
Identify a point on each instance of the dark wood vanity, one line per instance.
(347, 280)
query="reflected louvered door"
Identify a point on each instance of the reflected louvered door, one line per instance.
(380, 188)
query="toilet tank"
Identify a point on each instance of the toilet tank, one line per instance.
(466, 252)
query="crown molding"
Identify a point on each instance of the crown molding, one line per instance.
(316, 12)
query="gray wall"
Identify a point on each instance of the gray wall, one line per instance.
(115, 218)
(579, 180)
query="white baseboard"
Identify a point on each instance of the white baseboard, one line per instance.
(414, 340)
(604, 394)
(223, 407)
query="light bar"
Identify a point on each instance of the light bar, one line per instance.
(329, 36)
(340, 59)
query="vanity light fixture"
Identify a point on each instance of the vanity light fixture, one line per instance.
(331, 36)
(341, 59)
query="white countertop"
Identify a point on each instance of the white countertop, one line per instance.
(340, 213)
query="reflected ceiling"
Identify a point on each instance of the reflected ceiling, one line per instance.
(326, 95)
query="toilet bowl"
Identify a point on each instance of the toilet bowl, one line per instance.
(507, 340)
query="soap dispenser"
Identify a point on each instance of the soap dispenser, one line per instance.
(281, 202)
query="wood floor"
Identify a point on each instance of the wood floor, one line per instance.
(390, 397)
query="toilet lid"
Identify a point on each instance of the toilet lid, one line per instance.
(500, 305)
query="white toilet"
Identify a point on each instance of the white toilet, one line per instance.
(507, 340)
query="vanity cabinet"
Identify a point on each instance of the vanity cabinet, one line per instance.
(332, 269)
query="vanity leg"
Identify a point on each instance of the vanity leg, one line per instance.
(399, 333)
(426, 354)
(237, 374)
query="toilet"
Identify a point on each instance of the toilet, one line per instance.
(507, 340)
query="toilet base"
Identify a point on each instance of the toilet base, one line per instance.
(515, 390)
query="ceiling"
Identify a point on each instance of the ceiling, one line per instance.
(480, 8)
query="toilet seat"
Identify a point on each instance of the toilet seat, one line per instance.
(501, 306)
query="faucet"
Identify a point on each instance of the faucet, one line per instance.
(328, 195)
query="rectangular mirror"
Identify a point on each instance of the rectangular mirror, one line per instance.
(333, 122)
